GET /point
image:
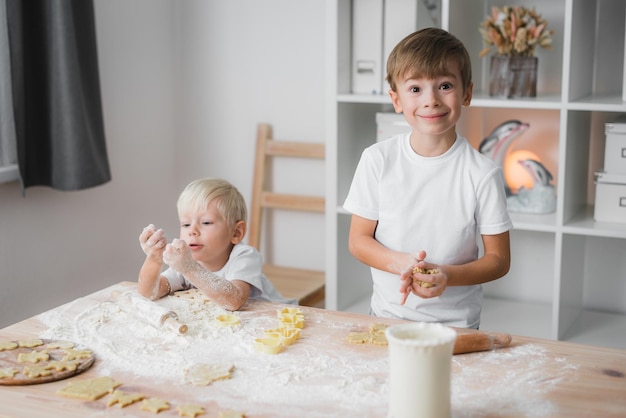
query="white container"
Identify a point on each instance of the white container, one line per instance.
(390, 124)
(610, 203)
(420, 357)
(615, 146)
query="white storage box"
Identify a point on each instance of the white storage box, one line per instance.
(615, 146)
(610, 204)
(390, 124)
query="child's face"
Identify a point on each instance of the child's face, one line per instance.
(432, 106)
(209, 237)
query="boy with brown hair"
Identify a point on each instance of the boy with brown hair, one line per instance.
(428, 193)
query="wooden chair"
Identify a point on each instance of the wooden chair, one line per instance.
(305, 285)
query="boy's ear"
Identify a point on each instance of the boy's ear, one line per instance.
(468, 95)
(395, 101)
(239, 231)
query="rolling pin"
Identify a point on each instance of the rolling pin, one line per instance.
(149, 312)
(470, 342)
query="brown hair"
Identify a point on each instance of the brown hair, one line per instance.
(428, 53)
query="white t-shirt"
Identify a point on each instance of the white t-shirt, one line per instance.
(244, 263)
(438, 204)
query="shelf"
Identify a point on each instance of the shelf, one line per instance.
(517, 318)
(564, 262)
(599, 328)
(599, 103)
(534, 222)
(584, 224)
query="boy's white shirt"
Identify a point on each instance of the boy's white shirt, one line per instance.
(245, 263)
(438, 204)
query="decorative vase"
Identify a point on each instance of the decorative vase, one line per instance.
(513, 76)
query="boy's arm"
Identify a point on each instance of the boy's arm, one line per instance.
(150, 284)
(364, 247)
(230, 295)
(492, 265)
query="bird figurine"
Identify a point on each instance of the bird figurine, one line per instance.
(499, 140)
(497, 143)
(541, 197)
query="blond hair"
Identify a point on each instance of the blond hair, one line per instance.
(199, 193)
(428, 53)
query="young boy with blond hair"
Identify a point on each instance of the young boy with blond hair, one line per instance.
(209, 254)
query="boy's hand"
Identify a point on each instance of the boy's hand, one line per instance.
(424, 279)
(406, 278)
(153, 242)
(178, 256)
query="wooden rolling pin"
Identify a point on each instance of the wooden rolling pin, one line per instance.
(470, 342)
(148, 311)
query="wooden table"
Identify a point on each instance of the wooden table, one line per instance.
(320, 375)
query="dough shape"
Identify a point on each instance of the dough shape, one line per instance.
(226, 320)
(289, 335)
(36, 370)
(205, 374)
(10, 372)
(155, 405)
(231, 414)
(60, 345)
(269, 345)
(35, 342)
(90, 389)
(289, 310)
(192, 294)
(293, 320)
(190, 410)
(7, 345)
(59, 365)
(424, 271)
(71, 354)
(33, 357)
(375, 335)
(124, 399)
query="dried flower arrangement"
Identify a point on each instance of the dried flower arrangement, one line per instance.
(515, 31)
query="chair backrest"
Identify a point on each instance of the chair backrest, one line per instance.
(305, 285)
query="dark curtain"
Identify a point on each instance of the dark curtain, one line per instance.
(56, 94)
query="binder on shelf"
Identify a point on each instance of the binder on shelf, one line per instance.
(402, 17)
(367, 46)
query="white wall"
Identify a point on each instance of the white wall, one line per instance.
(183, 86)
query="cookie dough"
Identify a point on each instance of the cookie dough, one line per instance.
(425, 271)
(226, 320)
(375, 335)
(37, 370)
(8, 372)
(190, 410)
(59, 365)
(71, 354)
(35, 342)
(33, 357)
(124, 399)
(205, 374)
(90, 389)
(269, 344)
(231, 414)
(155, 405)
(7, 345)
(60, 345)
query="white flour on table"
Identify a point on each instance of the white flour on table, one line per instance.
(303, 378)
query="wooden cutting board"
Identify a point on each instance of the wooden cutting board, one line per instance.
(65, 359)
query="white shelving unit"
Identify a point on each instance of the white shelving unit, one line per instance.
(568, 273)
